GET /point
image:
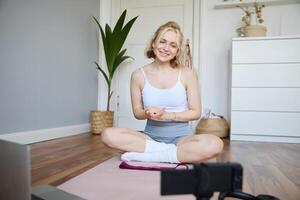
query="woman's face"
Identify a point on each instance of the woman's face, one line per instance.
(165, 47)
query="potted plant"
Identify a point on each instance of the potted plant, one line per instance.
(113, 41)
(252, 20)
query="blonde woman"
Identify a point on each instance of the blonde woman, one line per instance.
(167, 95)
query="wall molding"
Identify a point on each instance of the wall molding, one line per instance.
(263, 138)
(29, 137)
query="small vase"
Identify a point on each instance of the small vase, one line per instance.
(253, 19)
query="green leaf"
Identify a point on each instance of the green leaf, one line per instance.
(122, 53)
(120, 36)
(104, 39)
(118, 61)
(125, 31)
(103, 73)
(109, 52)
(120, 22)
(116, 45)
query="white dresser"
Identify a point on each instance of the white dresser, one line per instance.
(265, 89)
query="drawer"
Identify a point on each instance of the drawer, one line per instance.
(265, 123)
(266, 99)
(266, 51)
(266, 75)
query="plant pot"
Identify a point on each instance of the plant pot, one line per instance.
(255, 31)
(101, 120)
(218, 127)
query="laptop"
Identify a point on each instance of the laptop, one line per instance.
(15, 176)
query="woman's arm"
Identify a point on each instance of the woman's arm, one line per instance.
(136, 95)
(193, 98)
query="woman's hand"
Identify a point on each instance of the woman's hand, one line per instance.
(168, 116)
(161, 115)
(154, 112)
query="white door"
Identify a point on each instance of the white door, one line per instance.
(152, 13)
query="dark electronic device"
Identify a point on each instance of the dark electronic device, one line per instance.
(203, 180)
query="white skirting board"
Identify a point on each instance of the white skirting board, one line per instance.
(262, 138)
(29, 137)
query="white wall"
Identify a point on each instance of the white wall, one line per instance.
(47, 75)
(218, 27)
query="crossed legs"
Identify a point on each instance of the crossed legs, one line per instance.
(124, 139)
(190, 149)
(197, 148)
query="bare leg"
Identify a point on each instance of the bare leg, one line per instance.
(197, 148)
(124, 139)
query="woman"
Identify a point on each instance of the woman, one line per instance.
(167, 95)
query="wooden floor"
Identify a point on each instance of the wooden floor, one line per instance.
(269, 168)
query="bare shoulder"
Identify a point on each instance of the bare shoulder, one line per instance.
(188, 75)
(137, 76)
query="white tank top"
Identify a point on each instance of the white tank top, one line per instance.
(172, 99)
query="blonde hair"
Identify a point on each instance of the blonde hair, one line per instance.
(177, 61)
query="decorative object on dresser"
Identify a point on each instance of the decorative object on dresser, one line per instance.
(213, 124)
(265, 89)
(113, 41)
(252, 21)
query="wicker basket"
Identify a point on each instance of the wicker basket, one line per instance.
(218, 127)
(101, 120)
(255, 31)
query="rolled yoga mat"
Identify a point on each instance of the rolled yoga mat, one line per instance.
(108, 182)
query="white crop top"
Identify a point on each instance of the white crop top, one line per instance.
(172, 99)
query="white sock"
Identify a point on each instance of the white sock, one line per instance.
(153, 146)
(168, 155)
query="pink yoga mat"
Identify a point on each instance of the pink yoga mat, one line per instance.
(108, 182)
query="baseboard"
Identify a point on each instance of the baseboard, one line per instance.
(264, 138)
(29, 137)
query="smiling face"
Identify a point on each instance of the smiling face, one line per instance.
(165, 47)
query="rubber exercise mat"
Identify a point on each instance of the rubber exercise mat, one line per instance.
(108, 182)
